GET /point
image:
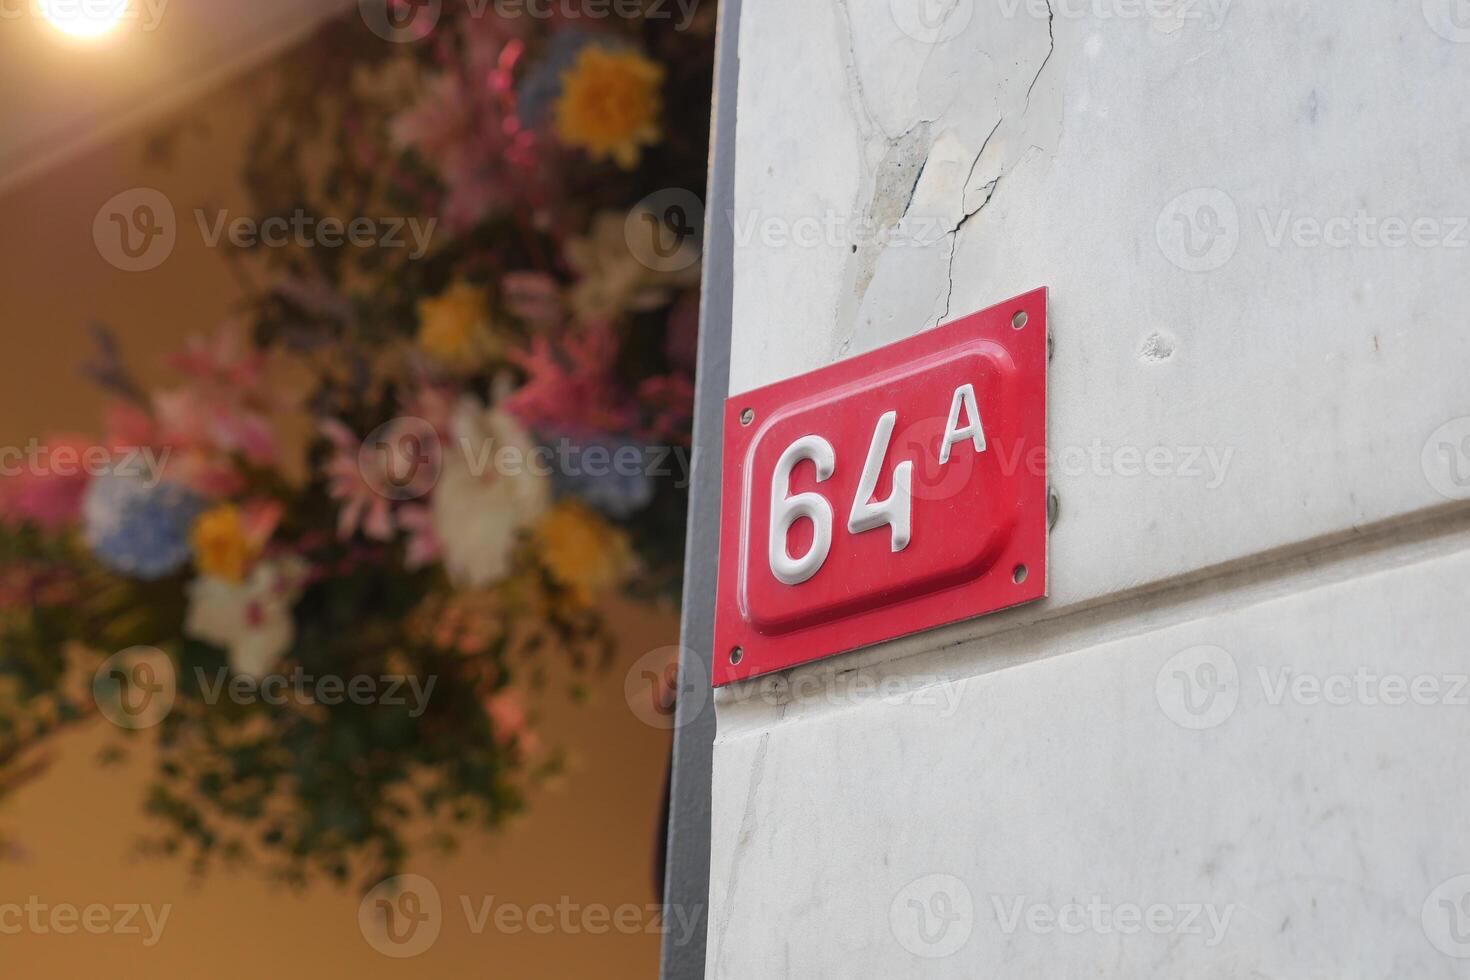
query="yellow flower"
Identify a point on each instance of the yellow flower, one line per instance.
(582, 551)
(454, 327)
(609, 104)
(222, 548)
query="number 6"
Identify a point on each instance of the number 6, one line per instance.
(786, 511)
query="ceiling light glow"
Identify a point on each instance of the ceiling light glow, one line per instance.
(84, 18)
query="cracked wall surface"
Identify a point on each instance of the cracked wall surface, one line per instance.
(1163, 173)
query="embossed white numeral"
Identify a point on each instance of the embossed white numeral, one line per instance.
(897, 510)
(787, 510)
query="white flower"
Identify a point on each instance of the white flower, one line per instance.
(491, 488)
(251, 620)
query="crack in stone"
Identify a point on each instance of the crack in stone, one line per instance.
(1051, 17)
(990, 188)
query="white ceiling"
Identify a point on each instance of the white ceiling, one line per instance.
(65, 95)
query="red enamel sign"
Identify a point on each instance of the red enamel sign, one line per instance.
(890, 493)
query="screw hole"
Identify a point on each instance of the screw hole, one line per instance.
(747, 416)
(1018, 574)
(737, 654)
(1018, 319)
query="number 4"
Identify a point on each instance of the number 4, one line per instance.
(866, 515)
(898, 509)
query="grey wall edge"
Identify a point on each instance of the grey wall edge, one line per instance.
(686, 895)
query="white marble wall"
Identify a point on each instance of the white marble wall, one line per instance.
(1253, 219)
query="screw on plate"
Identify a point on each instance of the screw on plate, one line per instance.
(747, 416)
(1053, 507)
(736, 655)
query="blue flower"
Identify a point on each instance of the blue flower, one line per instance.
(139, 529)
(603, 472)
(542, 84)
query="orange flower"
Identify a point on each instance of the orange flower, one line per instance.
(609, 104)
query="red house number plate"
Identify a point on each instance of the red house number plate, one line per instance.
(892, 492)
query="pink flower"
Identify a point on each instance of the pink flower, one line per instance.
(424, 547)
(222, 361)
(533, 297)
(573, 390)
(671, 398)
(49, 499)
(128, 424)
(464, 125)
(508, 722)
(191, 418)
(360, 505)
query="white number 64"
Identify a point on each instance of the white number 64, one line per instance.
(866, 514)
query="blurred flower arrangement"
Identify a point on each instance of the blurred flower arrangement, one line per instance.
(383, 470)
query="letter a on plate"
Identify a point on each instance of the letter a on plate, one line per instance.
(890, 493)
